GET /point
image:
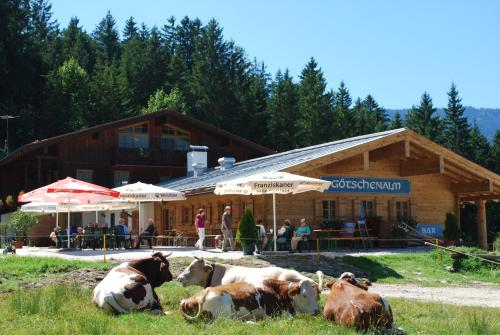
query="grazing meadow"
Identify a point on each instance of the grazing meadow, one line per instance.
(66, 308)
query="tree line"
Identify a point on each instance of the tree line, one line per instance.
(62, 79)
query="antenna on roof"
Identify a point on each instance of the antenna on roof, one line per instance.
(5, 148)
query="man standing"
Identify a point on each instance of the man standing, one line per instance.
(227, 221)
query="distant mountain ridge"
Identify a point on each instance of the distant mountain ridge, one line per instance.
(488, 119)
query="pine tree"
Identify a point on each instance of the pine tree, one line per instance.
(78, 45)
(377, 117)
(495, 153)
(342, 113)
(106, 36)
(423, 120)
(482, 150)
(456, 128)
(130, 31)
(315, 107)
(361, 119)
(282, 110)
(396, 121)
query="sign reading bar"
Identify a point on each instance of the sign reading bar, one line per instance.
(342, 184)
(428, 229)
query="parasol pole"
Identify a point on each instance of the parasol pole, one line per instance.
(68, 227)
(96, 218)
(57, 216)
(274, 220)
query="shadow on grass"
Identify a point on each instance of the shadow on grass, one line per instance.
(373, 270)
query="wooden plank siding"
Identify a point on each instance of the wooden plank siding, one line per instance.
(430, 199)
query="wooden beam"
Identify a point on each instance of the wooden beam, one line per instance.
(366, 160)
(475, 187)
(420, 167)
(481, 224)
(495, 196)
(441, 164)
(407, 148)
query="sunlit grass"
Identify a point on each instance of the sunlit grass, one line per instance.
(70, 310)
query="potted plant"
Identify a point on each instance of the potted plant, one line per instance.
(451, 231)
(20, 224)
(247, 233)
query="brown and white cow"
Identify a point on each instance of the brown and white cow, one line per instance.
(202, 273)
(245, 301)
(130, 286)
(349, 304)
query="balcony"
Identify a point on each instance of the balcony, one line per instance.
(139, 156)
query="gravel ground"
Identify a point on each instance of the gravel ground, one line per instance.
(482, 295)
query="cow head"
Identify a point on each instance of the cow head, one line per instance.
(351, 279)
(155, 268)
(196, 273)
(305, 296)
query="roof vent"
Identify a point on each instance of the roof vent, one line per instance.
(226, 163)
(197, 155)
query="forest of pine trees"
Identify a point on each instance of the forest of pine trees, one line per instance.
(59, 79)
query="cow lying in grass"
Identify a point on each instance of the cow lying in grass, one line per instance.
(245, 301)
(202, 273)
(130, 286)
(349, 304)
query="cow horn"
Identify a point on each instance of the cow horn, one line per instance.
(320, 280)
(200, 303)
(166, 255)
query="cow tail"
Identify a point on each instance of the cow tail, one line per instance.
(319, 273)
(200, 304)
(113, 302)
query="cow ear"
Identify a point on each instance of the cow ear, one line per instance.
(294, 290)
(208, 268)
(330, 284)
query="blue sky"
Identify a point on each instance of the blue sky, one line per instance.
(394, 50)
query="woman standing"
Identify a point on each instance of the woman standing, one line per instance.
(199, 224)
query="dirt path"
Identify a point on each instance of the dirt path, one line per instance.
(484, 295)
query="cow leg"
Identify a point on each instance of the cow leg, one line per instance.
(155, 307)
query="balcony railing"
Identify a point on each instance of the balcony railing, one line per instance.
(148, 156)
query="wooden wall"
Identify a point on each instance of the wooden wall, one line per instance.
(430, 199)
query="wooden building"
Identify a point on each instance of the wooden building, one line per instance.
(148, 148)
(395, 175)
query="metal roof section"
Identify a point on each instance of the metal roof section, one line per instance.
(274, 162)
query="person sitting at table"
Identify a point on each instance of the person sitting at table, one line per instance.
(79, 237)
(284, 231)
(262, 241)
(53, 236)
(147, 234)
(301, 234)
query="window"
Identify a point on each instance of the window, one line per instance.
(173, 138)
(136, 136)
(402, 210)
(369, 208)
(120, 178)
(329, 211)
(84, 175)
(186, 218)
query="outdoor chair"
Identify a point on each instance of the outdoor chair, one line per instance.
(62, 239)
(302, 245)
(89, 238)
(283, 243)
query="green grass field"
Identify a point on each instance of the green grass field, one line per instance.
(63, 309)
(69, 310)
(420, 268)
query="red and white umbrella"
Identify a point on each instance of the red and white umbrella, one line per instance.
(70, 191)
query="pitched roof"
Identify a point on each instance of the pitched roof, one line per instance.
(134, 119)
(275, 162)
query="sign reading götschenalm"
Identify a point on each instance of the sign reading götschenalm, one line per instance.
(343, 184)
